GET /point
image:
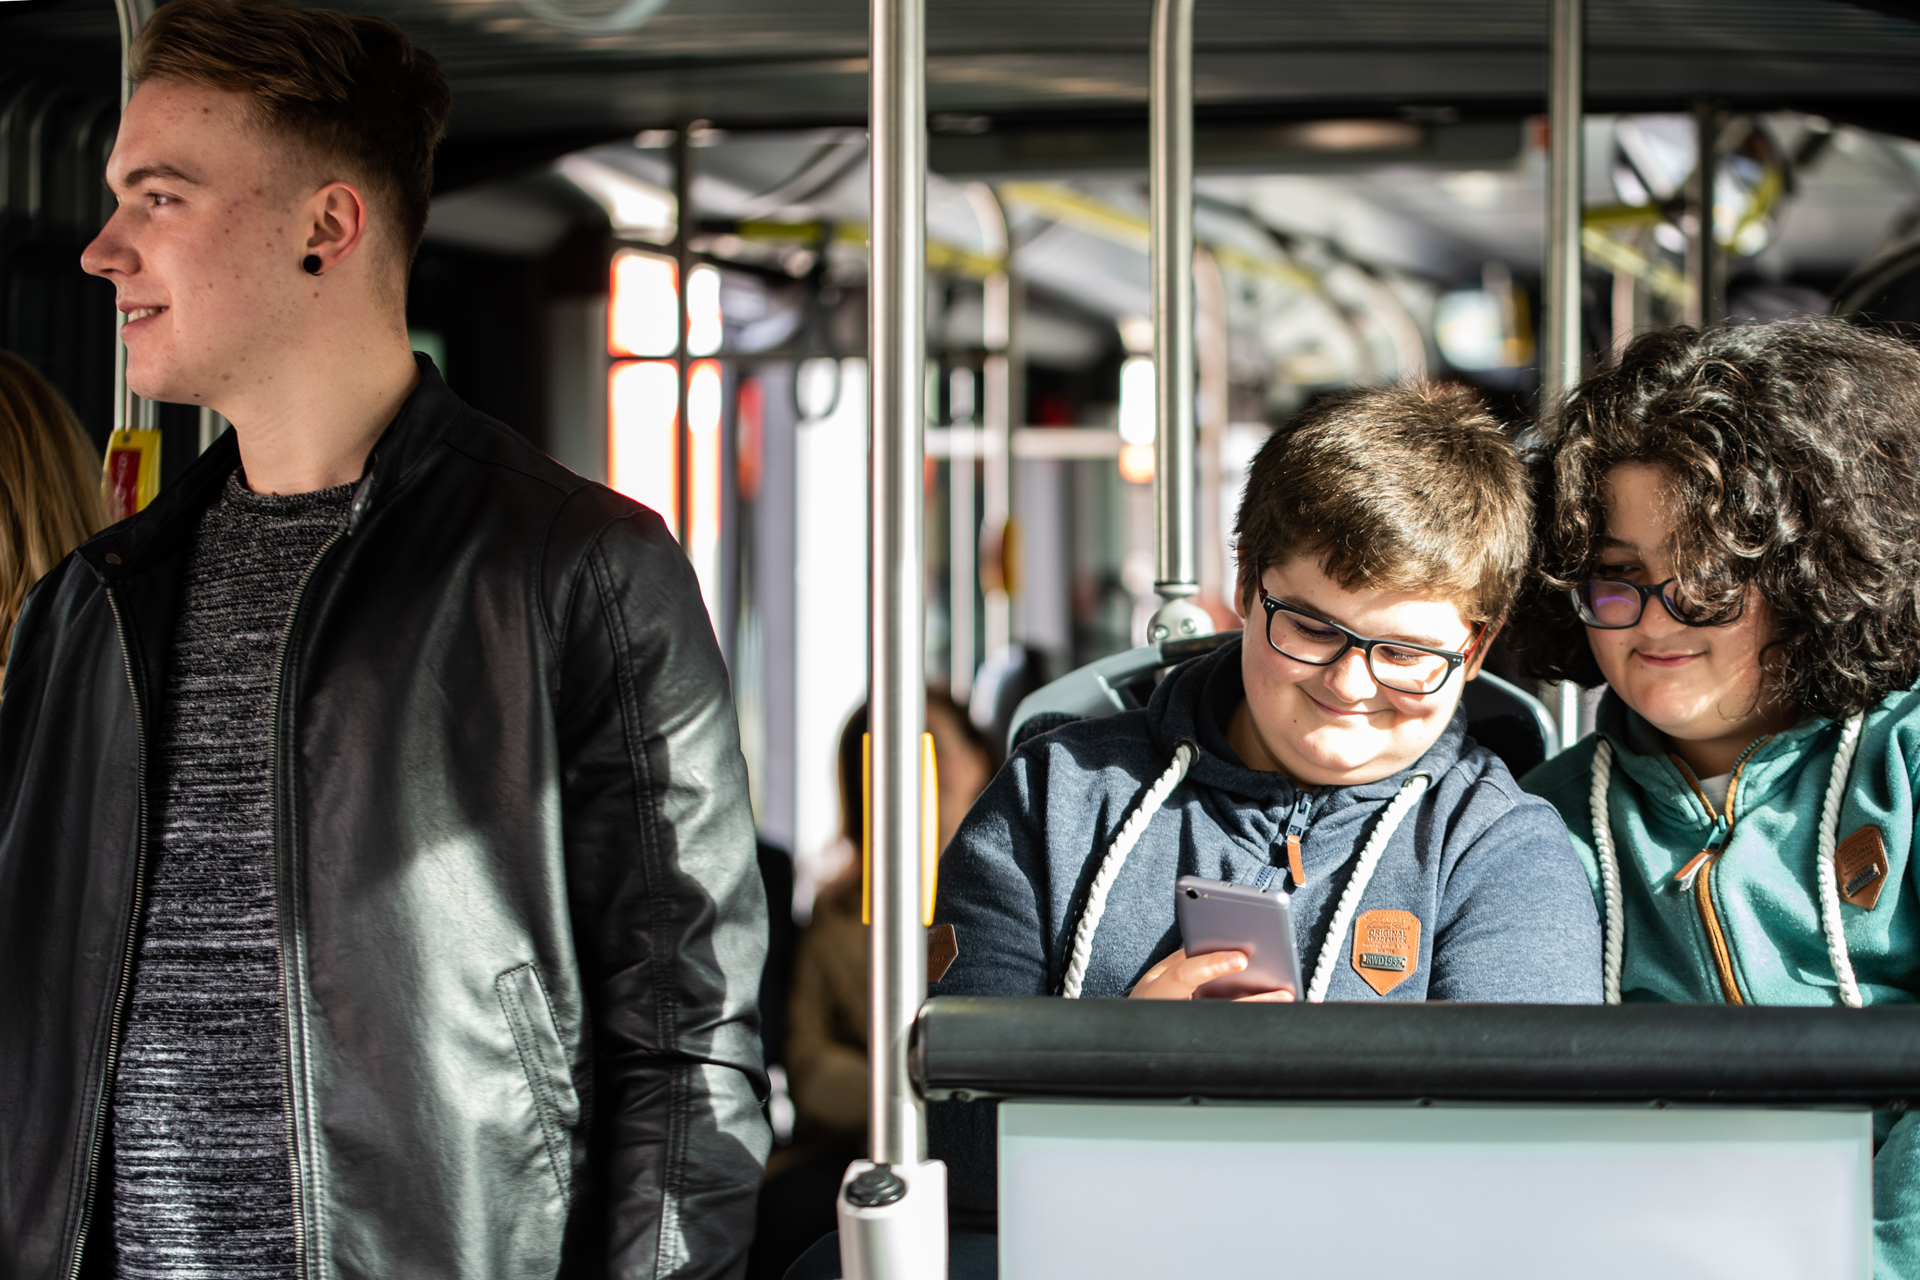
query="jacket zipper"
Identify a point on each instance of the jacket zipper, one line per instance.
(284, 892)
(1697, 875)
(118, 1022)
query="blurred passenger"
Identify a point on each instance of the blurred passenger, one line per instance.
(49, 487)
(1733, 546)
(377, 882)
(826, 1057)
(1381, 540)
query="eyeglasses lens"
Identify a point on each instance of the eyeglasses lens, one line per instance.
(1610, 604)
(1404, 670)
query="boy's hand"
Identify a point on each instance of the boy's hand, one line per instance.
(1179, 975)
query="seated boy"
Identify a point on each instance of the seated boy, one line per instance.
(1381, 540)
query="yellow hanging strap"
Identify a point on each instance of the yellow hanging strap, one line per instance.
(866, 828)
(929, 828)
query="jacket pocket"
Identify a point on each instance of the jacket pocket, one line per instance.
(523, 996)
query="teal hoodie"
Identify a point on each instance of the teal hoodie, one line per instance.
(1747, 930)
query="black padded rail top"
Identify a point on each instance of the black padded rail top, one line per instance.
(966, 1047)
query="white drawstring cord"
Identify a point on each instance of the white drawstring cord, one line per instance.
(1130, 833)
(1410, 792)
(1613, 922)
(1830, 921)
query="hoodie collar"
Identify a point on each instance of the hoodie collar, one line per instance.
(1641, 750)
(167, 524)
(1181, 698)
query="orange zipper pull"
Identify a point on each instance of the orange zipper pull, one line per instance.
(1691, 872)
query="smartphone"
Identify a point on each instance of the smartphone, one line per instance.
(1218, 915)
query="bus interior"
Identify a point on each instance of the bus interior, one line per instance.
(1370, 201)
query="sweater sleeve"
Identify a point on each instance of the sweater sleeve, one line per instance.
(991, 888)
(1517, 922)
(992, 882)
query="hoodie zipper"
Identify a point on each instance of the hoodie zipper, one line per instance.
(118, 1022)
(284, 887)
(1697, 875)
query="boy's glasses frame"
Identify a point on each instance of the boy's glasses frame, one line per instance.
(1589, 616)
(1366, 645)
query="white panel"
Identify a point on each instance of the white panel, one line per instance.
(830, 619)
(1165, 1191)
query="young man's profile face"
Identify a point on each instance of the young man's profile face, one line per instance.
(1333, 725)
(205, 247)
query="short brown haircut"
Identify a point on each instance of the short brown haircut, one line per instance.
(50, 499)
(1406, 488)
(353, 89)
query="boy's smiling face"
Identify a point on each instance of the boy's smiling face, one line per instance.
(1699, 686)
(1333, 725)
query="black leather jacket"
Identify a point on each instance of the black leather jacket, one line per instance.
(520, 923)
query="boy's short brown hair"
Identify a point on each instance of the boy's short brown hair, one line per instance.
(354, 90)
(1405, 488)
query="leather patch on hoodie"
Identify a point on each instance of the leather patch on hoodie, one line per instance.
(1386, 948)
(1860, 865)
(943, 948)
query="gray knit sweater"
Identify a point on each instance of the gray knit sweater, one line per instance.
(202, 1186)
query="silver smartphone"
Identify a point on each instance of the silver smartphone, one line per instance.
(1218, 915)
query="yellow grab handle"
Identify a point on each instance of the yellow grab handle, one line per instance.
(929, 828)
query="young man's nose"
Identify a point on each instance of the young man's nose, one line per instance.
(109, 254)
(1348, 678)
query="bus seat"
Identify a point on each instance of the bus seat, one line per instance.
(1502, 717)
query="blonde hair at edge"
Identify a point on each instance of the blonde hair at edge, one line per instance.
(50, 498)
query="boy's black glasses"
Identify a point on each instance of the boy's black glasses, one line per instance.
(1614, 604)
(1294, 633)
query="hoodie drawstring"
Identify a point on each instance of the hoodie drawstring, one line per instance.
(1831, 923)
(1410, 792)
(1130, 833)
(1136, 825)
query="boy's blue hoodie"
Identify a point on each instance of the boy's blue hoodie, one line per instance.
(1504, 909)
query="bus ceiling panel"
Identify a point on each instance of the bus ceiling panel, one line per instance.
(751, 63)
(764, 63)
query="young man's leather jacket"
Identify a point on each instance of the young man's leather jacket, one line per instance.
(520, 923)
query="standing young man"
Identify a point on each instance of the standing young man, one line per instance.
(377, 889)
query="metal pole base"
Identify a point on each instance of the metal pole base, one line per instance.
(893, 1221)
(1179, 619)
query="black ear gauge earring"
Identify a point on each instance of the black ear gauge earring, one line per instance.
(311, 264)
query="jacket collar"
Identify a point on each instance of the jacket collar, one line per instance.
(1181, 697)
(1641, 751)
(163, 530)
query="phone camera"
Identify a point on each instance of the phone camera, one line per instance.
(1193, 893)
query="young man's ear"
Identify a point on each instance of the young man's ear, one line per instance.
(1478, 658)
(338, 229)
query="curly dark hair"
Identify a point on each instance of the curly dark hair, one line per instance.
(1793, 450)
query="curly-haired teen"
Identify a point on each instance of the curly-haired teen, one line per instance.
(1731, 540)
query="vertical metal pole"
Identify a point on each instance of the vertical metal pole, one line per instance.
(130, 412)
(1705, 305)
(1560, 360)
(963, 537)
(1170, 177)
(1560, 365)
(896, 318)
(893, 1209)
(999, 378)
(683, 224)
